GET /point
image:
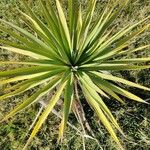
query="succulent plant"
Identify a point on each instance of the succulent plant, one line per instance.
(68, 51)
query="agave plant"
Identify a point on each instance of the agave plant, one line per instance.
(71, 51)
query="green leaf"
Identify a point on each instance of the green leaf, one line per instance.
(44, 28)
(123, 92)
(68, 98)
(85, 28)
(63, 21)
(102, 105)
(39, 79)
(105, 21)
(21, 89)
(98, 26)
(25, 51)
(16, 36)
(19, 78)
(33, 98)
(78, 29)
(29, 49)
(46, 112)
(73, 11)
(86, 24)
(36, 62)
(89, 82)
(35, 27)
(102, 117)
(117, 36)
(133, 50)
(26, 71)
(55, 40)
(117, 79)
(132, 60)
(105, 88)
(115, 67)
(109, 53)
(34, 24)
(34, 39)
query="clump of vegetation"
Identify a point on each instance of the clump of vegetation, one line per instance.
(71, 56)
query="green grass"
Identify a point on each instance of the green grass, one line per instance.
(134, 118)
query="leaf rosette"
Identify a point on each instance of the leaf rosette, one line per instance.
(71, 51)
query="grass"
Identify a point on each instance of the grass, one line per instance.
(134, 118)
